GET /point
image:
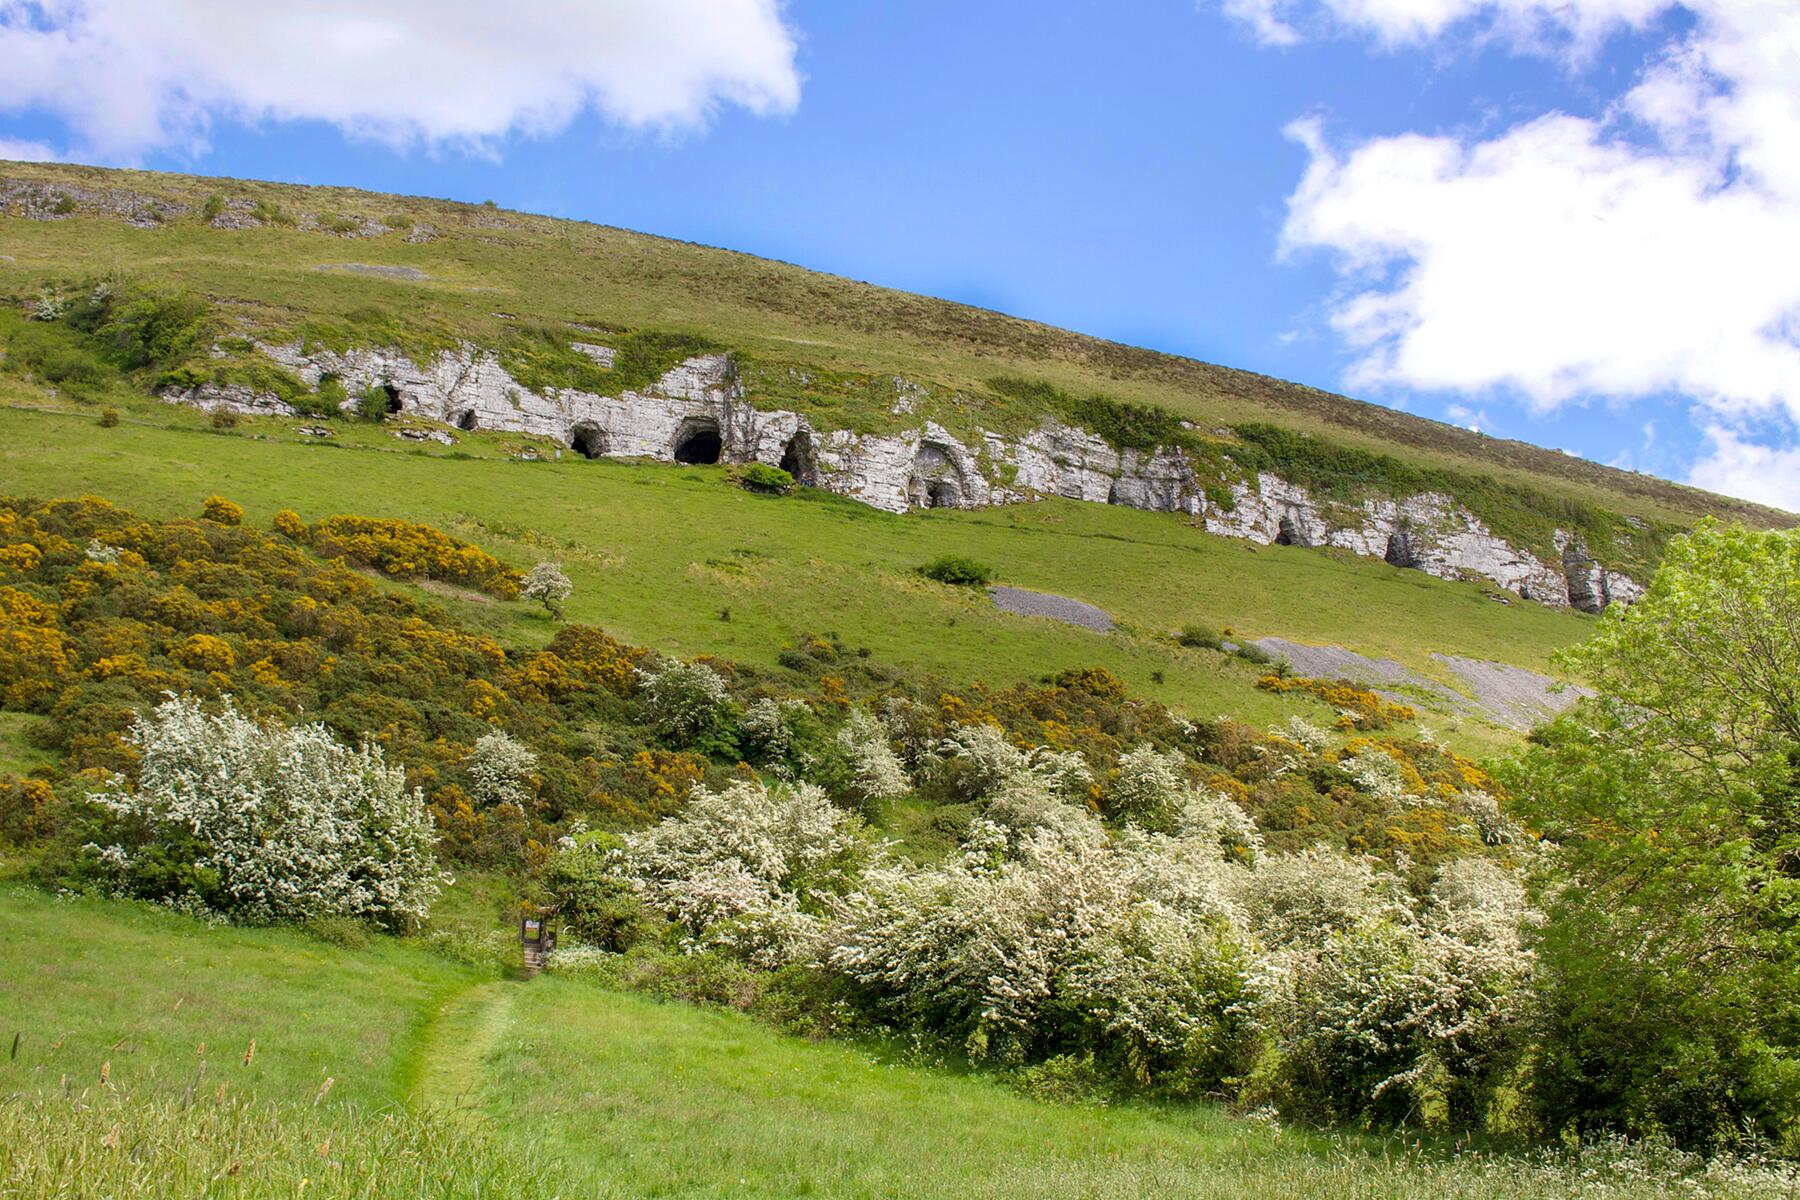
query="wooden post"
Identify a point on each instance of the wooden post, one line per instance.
(537, 936)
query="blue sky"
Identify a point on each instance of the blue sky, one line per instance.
(1574, 223)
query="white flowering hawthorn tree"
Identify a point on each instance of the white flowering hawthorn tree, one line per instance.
(686, 702)
(547, 584)
(500, 770)
(749, 868)
(282, 824)
(876, 771)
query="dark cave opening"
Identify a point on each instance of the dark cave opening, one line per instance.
(797, 459)
(700, 445)
(588, 440)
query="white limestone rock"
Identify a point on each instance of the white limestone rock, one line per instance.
(697, 411)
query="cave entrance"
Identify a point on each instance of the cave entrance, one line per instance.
(936, 482)
(589, 441)
(1287, 535)
(699, 444)
(467, 420)
(390, 396)
(1400, 550)
(797, 459)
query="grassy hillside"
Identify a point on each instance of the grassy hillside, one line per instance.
(824, 344)
(679, 560)
(558, 1087)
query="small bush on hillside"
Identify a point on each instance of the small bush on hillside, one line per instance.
(1200, 637)
(271, 213)
(109, 418)
(766, 728)
(289, 525)
(1357, 707)
(261, 823)
(215, 205)
(221, 511)
(331, 396)
(28, 810)
(770, 481)
(876, 771)
(958, 571)
(1098, 682)
(224, 418)
(139, 326)
(751, 868)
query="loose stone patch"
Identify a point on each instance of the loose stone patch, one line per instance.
(1513, 696)
(375, 269)
(1057, 608)
(1508, 696)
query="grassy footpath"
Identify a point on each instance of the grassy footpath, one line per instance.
(147, 996)
(677, 559)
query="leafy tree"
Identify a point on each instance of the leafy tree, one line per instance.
(1669, 960)
(547, 584)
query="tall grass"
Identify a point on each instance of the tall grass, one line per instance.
(101, 1142)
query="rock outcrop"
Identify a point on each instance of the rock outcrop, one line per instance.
(696, 412)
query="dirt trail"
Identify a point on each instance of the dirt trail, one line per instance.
(461, 1033)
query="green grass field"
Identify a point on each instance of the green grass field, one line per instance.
(659, 555)
(448, 1081)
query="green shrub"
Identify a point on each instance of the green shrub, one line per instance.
(109, 418)
(327, 400)
(1200, 637)
(214, 206)
(142, 326)
(594, 905)
(271, 213)
(289, 525)
(958, 571)
(760, 477)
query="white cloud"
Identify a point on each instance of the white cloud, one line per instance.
(1579, 23)
(1655, 249)
(14, 150)
(1737, 466)
(129, 77)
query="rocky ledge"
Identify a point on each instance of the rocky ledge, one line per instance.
(697, 413)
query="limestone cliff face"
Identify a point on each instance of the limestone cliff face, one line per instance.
(697, 413)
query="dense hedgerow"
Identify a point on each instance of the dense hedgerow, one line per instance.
(103, 613)
(1168, 949)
